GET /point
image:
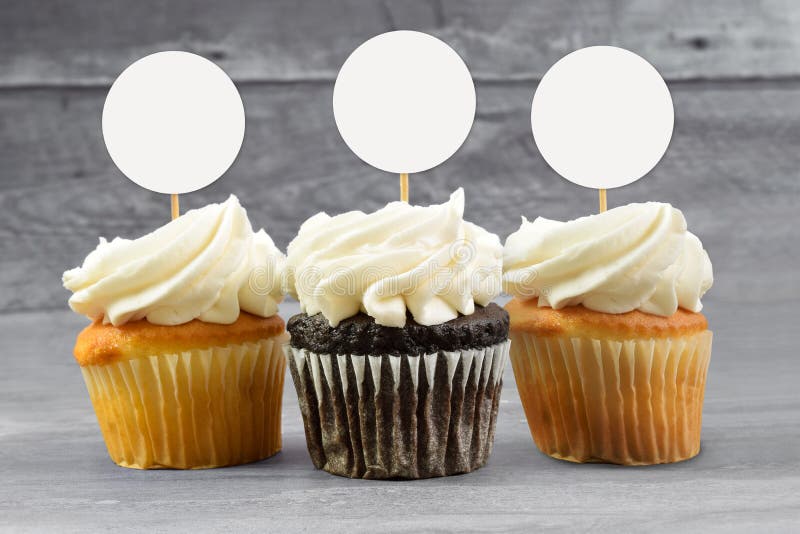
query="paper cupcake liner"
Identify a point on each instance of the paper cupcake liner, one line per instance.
(408, 416)
(632, 402)
(196, 409)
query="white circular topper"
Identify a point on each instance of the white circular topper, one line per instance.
(404, 101)
(602, 117)
(173, 122)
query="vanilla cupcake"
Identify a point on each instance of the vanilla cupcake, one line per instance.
(609, 348)
(398, 355)
(183, 360)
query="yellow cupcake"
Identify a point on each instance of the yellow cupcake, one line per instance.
(184, 359)
(609, 350)
(597, 387)
(190, 396)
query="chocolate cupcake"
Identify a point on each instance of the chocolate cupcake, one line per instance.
(399, 355)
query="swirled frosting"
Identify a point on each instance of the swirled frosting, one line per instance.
(634, 257)
(207, 264)
(424, 260)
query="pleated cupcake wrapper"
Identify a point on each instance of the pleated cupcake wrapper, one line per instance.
(196, 409)
(408, 416)
(632, 402)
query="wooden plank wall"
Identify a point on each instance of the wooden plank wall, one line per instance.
(733, 166)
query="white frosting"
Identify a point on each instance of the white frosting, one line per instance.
(634, 257)
(426, 260)
(207, 264)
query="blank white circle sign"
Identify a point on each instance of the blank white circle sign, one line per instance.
(173, 122)
(602, 117)
(404, 101)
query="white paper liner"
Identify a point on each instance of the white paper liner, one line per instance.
(631, 402)
(195, 409)
(409, 416)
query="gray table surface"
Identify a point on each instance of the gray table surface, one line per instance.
(57, 475)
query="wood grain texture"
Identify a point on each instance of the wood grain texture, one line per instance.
(57, 476)
(88, 43)
(732, 168)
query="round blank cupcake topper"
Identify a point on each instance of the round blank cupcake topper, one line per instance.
(602, 117)
(173, 122)
(404, 101)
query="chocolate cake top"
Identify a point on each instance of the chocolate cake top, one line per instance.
(361, 335)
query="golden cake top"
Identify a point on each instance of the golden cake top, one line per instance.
(578, 321)
(100, 343)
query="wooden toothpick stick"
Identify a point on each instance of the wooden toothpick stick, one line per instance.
(404, 187)
(603, 202)
(176, 206)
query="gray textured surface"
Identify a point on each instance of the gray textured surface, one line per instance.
(733, 168)
(57, 476)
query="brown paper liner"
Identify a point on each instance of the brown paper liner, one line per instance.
(403, 417)
(632, 402)
(192, 410)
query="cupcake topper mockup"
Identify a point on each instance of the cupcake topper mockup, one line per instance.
(173, 122)
(602, 118)
(404, 102)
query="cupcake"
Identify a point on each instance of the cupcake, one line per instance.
(398, 355)
(183, 359)
(609, 348)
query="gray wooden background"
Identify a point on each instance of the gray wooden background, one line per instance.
(733, 167)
